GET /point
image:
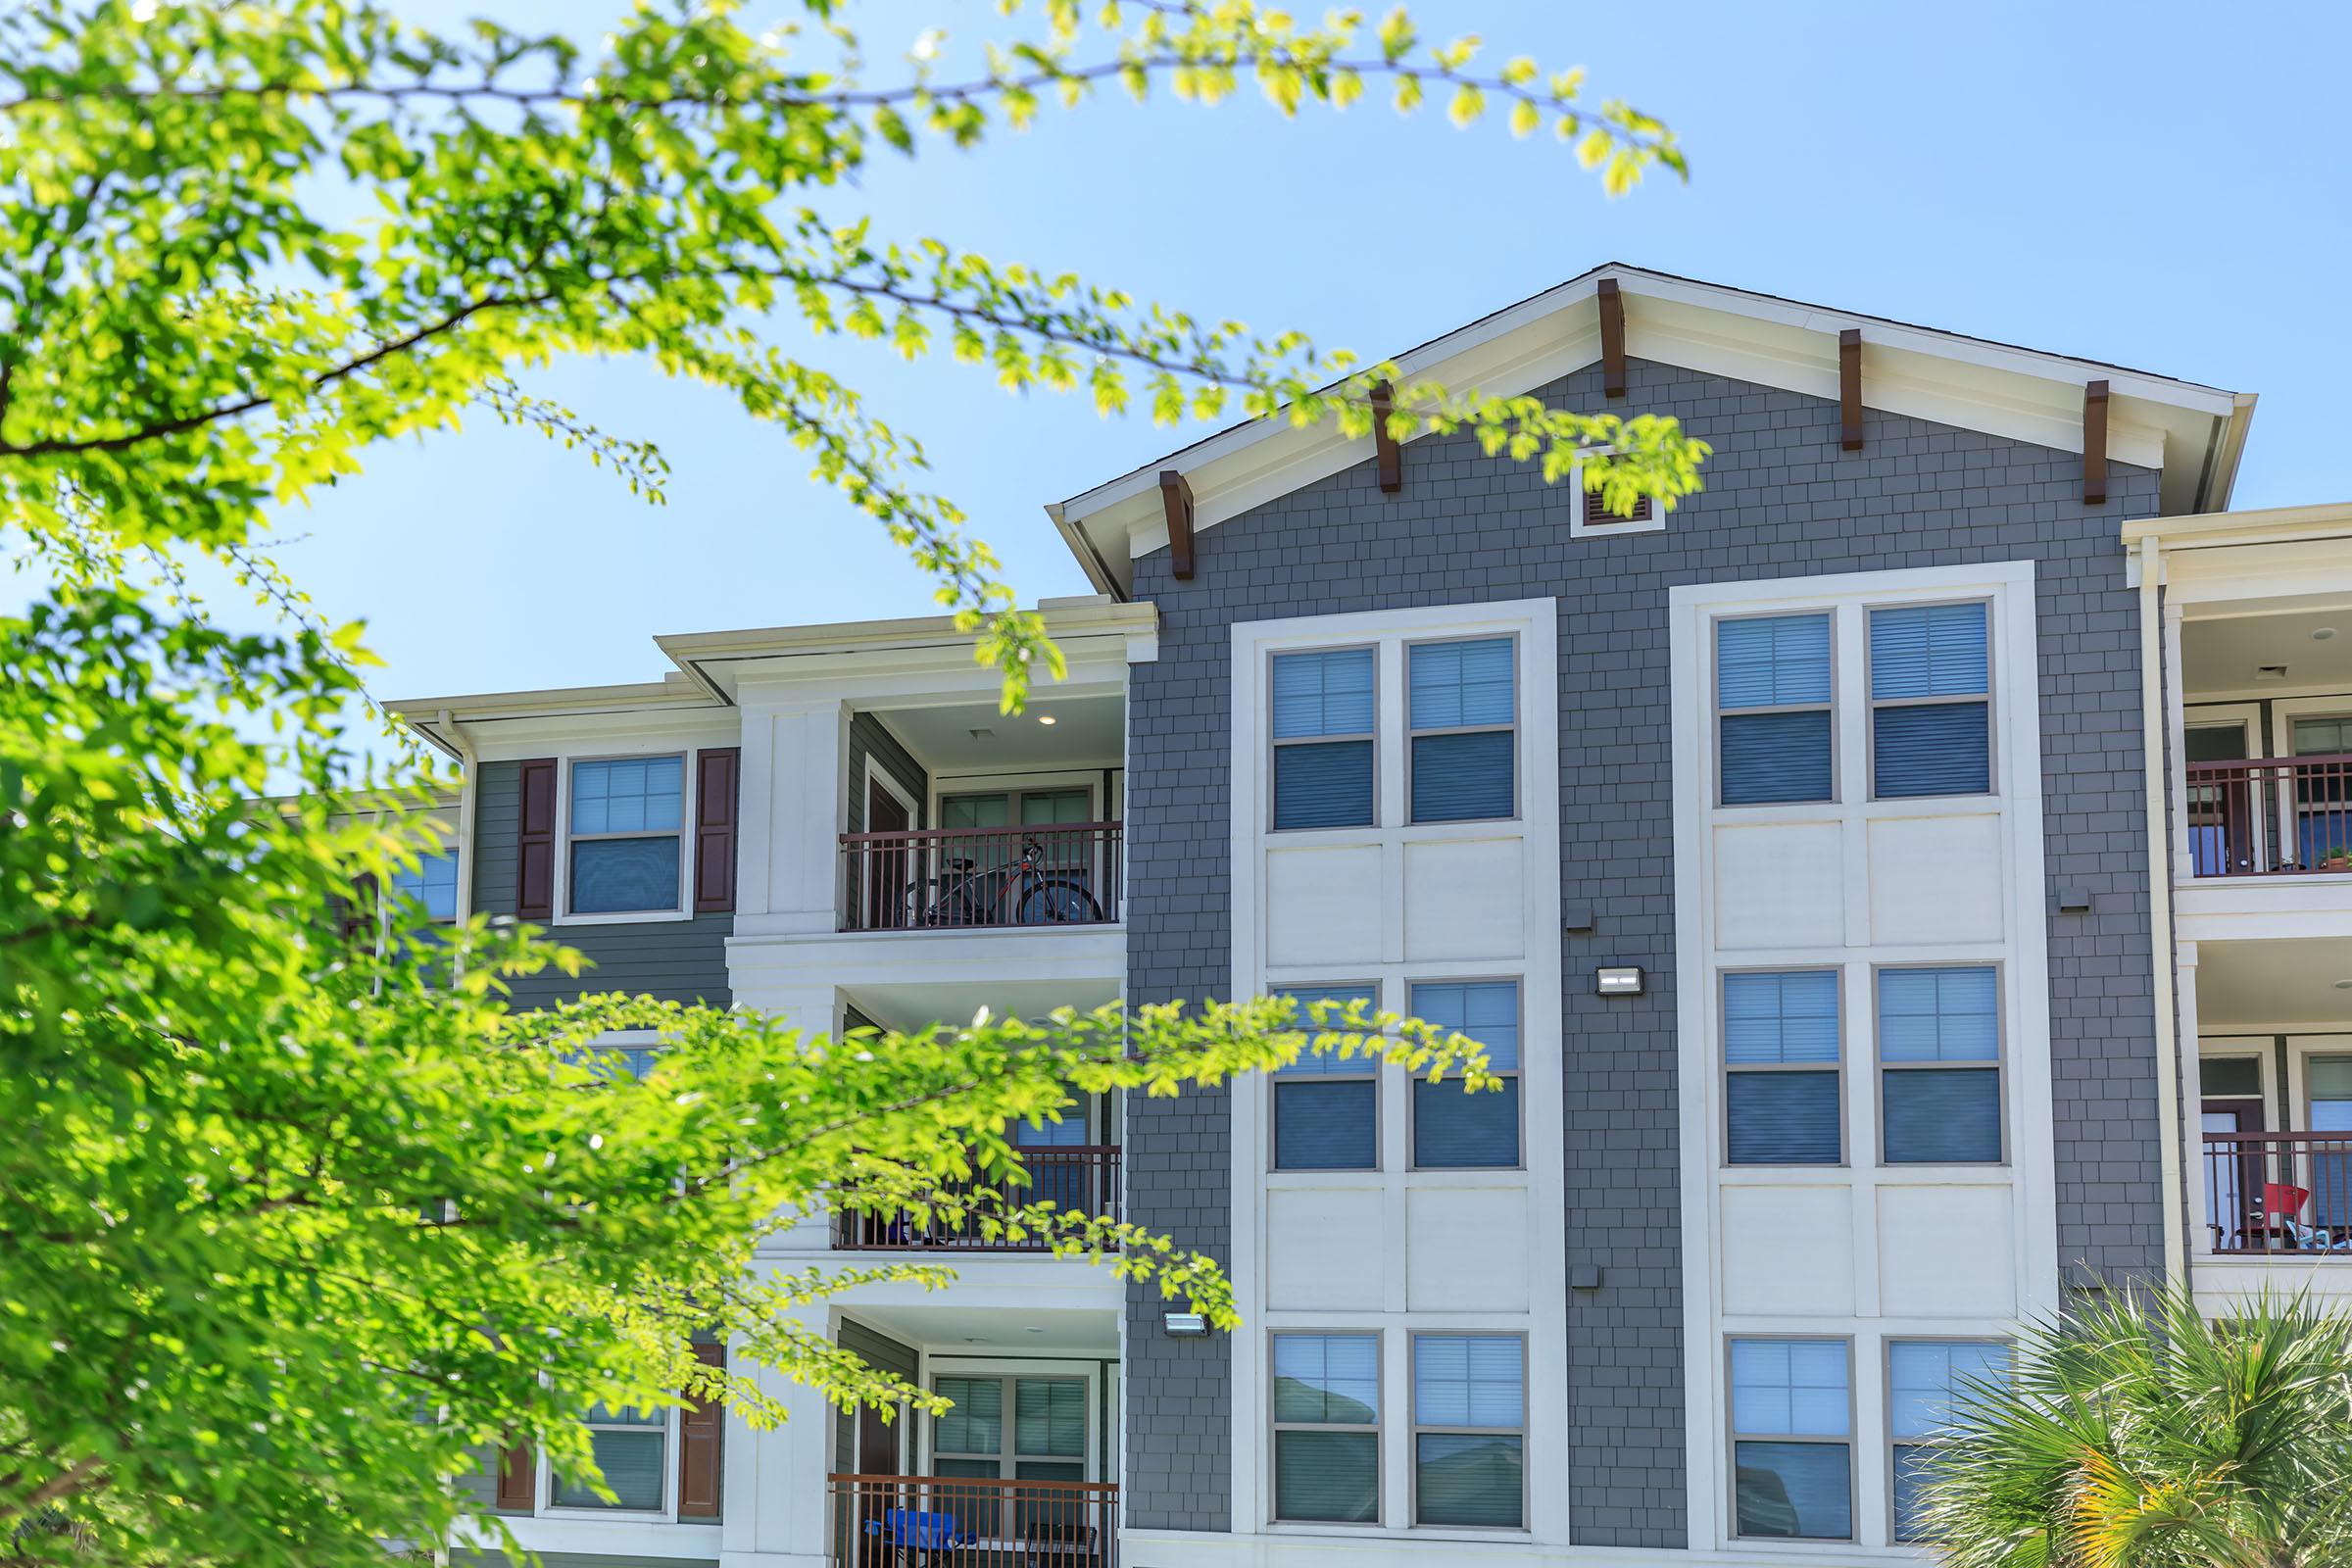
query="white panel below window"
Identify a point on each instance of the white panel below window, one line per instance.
(1779, 887)
(1787, 1251)
(1325, 1250)
(1323, 906)
(1466, 1249)
(1936, 879)
(1947, 1252)
(1465, 899)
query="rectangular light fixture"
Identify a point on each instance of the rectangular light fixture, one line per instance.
(1184, 1325)
(1617, 982)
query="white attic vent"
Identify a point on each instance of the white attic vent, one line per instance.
(2270, 672)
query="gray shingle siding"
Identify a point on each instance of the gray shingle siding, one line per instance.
(1781, 500)
(671, 961)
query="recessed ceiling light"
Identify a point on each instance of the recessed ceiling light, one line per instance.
(1046, 719)
(2321, 634)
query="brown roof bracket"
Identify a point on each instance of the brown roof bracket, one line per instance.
(1849, 389)
(1392, 456)
(2094, 444)
(1612, 339)
(1176, 500)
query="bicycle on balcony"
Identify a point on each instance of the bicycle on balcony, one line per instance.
(1027, 892)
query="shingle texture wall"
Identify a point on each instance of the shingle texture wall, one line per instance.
(1781, 500)
(673, 961)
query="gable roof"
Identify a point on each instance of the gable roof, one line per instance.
(2194, 432)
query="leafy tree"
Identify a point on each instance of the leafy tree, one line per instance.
(292, 1217)
(2140, 1436)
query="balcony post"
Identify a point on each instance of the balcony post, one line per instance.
(795, 803)
(2172, 1128)
(2200, 1216)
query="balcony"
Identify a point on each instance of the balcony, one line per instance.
(2273, 1195)
(2270, 816)
(1084, 1178)
(885, 1521)
(982, 878)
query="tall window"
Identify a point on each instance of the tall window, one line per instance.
(1931, 707)
(1326, 1107)
(1326, 1427)
(2328, 1082)
(2323, 805)
(433, 883)
(1772, 697)
(632, 1450)
(1464, 745)
(1455, 1128)
(1323, 734)
(626, 820)
(1781, 1060)
(1792, 1439)
(1939, 1066)
(1469, 1430)
(1925, 1379)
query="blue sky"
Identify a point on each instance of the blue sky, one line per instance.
(2165, 188)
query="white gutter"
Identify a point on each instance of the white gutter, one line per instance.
(2156, 769)
(469, 795)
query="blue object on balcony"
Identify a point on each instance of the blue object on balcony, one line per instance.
(916, 1528)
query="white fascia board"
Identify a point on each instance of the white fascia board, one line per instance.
(623, 733)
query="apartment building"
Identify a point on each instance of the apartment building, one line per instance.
(1899, 889)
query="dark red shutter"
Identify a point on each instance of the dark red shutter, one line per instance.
(518, 1478)
(714, 808)
(702, 1429)
(535, 845)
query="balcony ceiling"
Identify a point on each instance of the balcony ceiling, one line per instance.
(2225, 655)
(995, 1331)
(2272, 985)
(1086, 732)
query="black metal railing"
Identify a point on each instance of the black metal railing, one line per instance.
(2267, 816)
(963, 878)
(2274, 1193)
(1082, 1178)
(971, 1522)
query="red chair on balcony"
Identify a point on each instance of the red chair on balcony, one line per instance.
(2283, 1211)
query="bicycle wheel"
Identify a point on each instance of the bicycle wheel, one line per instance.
(1059, 900)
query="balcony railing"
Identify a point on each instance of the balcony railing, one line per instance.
(971, 1522)
(2269, 815)
(934, 879)
(2276, 1193)
(1084, 1178)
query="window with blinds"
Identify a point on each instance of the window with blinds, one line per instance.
(1780, 1056)
(1010, 1427)
(1939, 1066)
(1470, 1430)
(626, 817)
(432, 883)
(1930, 703)
(632, 1450)
(1792, 1439)
(1926, 1379)
(1326, 1106)
(1323, 738)
(1772, 700)
(1462, 711)
(1327, 1428)
(1455, 1128)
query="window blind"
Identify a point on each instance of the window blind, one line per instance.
(1933, 1110)
(1773, 1022)
(1455, 1128)
(1921, 652)
(1772, 685)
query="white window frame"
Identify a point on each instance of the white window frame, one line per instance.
(1724, 977)
(543, 1486)
(1378, 1428)
(1415, 1427)
(1360, 1069)
(1718, 713)
(1897, 1445)
(1999, 1063)
(1616, 526)
(447, 851)
(1872, 702)
(688, 785)
(1733, 1436)
(1412, 734)
(1518, 985)
(1009, 1377)
(1274, 747)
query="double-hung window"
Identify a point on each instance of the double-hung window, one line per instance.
(1925, 1380)
(632, 1450)
(1454, 1128)
(1323, 738)
(626, 819)
(1326, 1106)
(432, 882)
(1781, 1063)
(1462, 712)
(1930, 703)
(1772, 701)
(1044, 1440)
(1939, 1065)
(1469, 1430)
(1326, 1427)
(1792, 1426)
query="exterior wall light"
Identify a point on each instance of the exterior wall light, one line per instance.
(1617, 982)
(1184, 1325)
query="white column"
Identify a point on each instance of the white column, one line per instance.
(2192, 1072)
(775, 1498)
(795, 806)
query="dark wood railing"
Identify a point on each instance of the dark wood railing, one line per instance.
(2269, 815)
(2274, 1193)
(968, 877)
(971, 1522)
(1082, 1177)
